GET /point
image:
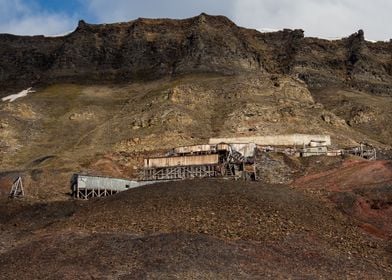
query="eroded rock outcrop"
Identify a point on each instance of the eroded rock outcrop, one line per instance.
(148, 49)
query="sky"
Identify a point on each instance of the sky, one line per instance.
(319, 18)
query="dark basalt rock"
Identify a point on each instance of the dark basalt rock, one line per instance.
(153, 48)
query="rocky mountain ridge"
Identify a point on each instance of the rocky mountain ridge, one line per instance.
(146, 49)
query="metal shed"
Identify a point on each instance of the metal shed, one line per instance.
(87, 186)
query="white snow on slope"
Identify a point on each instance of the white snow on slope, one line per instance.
(59, 35)
(267, 30)
(13, 97)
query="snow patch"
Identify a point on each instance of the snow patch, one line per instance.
(13, 97)
(59, 35)
(267, 30)
(330, 38)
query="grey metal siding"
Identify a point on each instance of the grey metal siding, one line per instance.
(104, 183)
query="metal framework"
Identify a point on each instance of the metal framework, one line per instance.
(85, 186)
(17, 188)
(364, 151)
(180, 172)
(86, 193)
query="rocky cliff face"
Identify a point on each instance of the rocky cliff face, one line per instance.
(148, 49)
(350, 62)
(141, 49)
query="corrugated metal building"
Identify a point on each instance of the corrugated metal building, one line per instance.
(86, 186)
(173, 161)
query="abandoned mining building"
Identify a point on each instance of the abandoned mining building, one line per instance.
(235, 158)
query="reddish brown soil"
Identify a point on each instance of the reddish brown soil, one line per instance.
(361, 189)
(349, 175)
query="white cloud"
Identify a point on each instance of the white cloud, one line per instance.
(16, 17)
(125, 10)
(321, 18)
(40, 24)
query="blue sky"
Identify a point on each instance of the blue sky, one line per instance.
(72, 8)
(58, 5)
(321, 18)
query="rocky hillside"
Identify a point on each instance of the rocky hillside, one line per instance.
(67, 128)
(107, 95)
(207, 229)
(147, 49)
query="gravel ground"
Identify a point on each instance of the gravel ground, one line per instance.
(207, 229)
